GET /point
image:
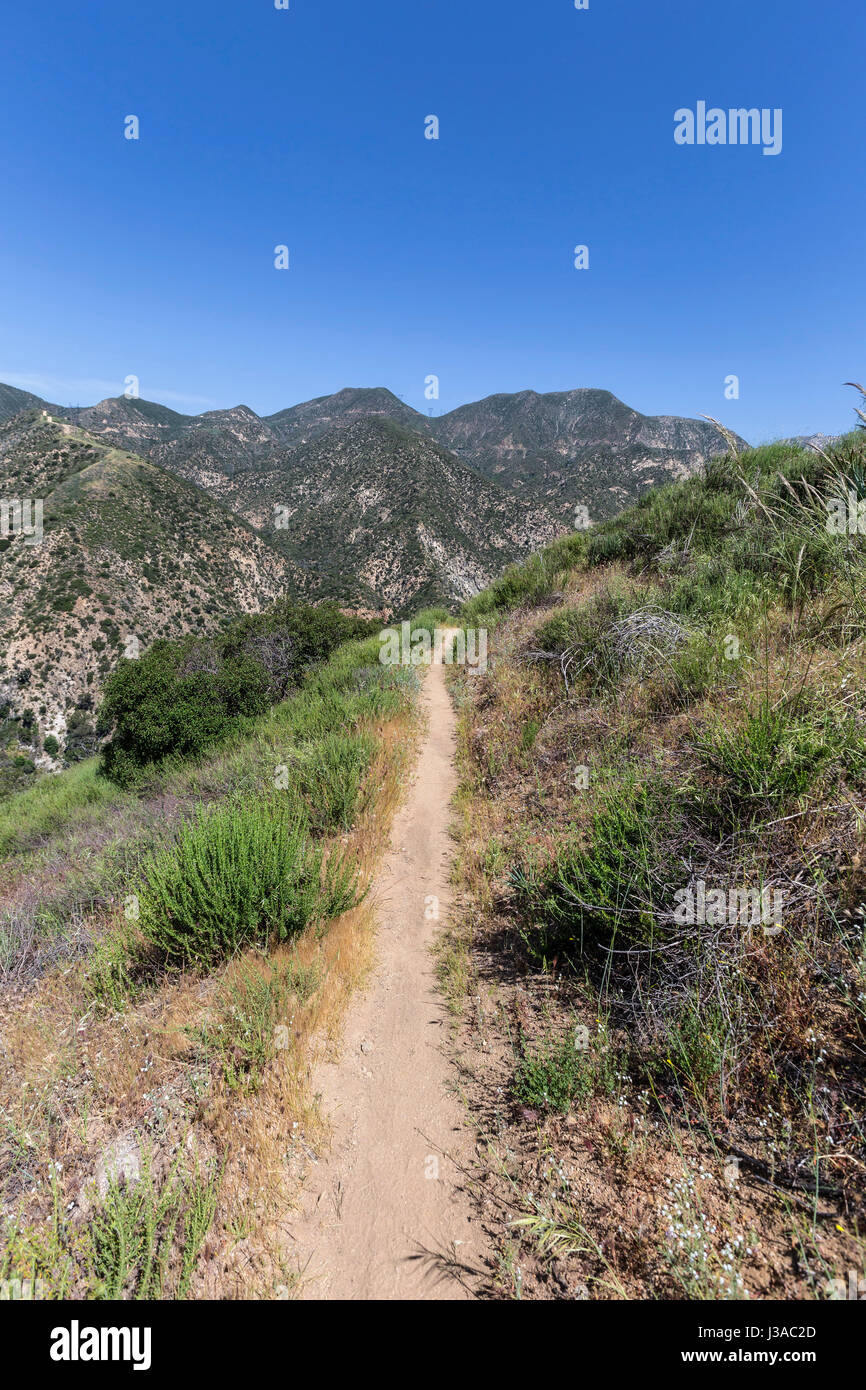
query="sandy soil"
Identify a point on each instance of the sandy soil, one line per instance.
(384, 1213)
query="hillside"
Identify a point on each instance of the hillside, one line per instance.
(556, 450)
(129, 552)
(395, 512)
(371, 515)
(657, 972)
(569, 448)
(156, 1070)
(300, 424)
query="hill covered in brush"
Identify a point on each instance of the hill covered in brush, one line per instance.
(373, 517)
(663, 779)
(396, 511)
(554, 450)
(129, 553)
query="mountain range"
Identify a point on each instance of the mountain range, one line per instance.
(158, 523)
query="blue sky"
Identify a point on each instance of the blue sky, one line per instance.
(412, 257)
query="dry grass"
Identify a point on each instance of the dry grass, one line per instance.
(79, 1077)
(628, 1194)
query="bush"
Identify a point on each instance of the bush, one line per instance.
(529, 582)
(289, 639)
(51, 746)
(182, 697)
(554, 1076)
(174, 700)
(329, 776)
(774, 755)
(82, 737)
(240, 875)
(609, 890)
(613, 639)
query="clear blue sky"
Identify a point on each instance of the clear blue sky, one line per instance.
(411, 256)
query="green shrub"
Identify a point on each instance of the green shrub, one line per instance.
(174, 700)
(608, 889)
(143, 1240)
(183, 697)
(528, 734)
(51, 746)
(694, 1046)
(774, 755)
(583, 628)
(616, 638)
(329, 776)
(529, 582)
(239, 875)
(554, 1076)
(289, 639)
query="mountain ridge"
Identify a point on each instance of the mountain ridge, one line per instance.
(582, 447)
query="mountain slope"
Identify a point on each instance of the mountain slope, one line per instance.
(560, 449)
(302, 423)
(13, 401)
(397, 513)
(128, 551)
(576, 447)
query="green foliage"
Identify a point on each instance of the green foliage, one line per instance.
(528, 734)
(624, 634)
(144, 1239)
(694, 1041)
(778, 752)
(111, 969)
(239, 875)
(52, 802)
(583, 630)
(289, 639)
(169, 702)
(530, 582)
(554, 1076)
(82, 737)
(329, 777)
(51, 746)
(431, 618)
(183, 697)
(606, 889)
(751, 528)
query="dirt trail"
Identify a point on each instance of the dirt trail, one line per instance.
(375, 1222)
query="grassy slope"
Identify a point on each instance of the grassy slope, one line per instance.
(112, 1057)
(674, 698)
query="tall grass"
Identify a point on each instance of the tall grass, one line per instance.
(78, 793)
(608, 886)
